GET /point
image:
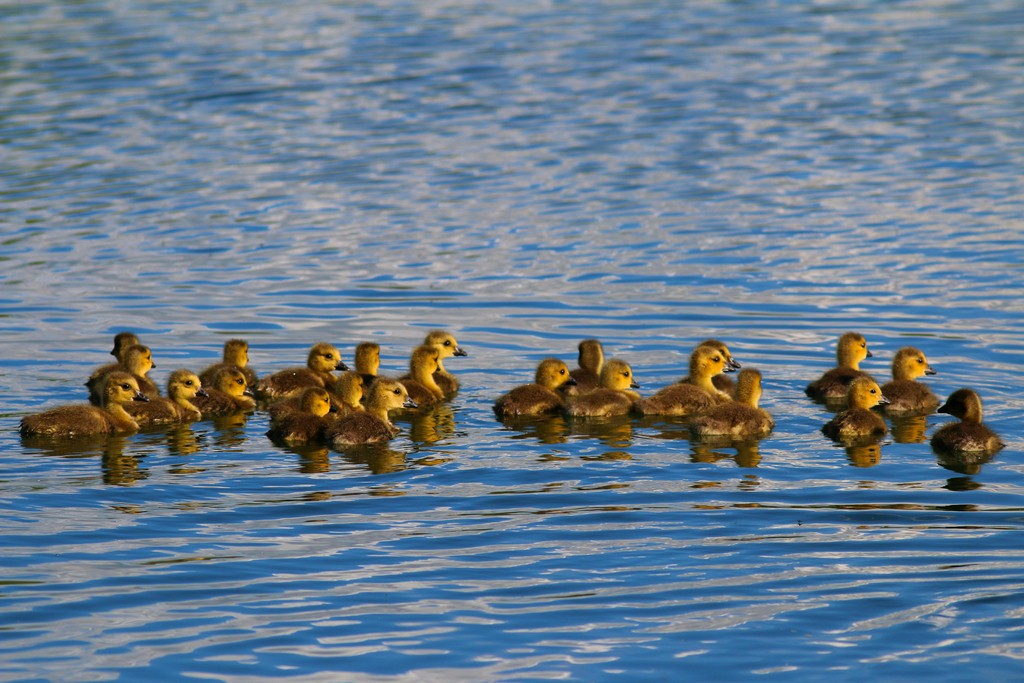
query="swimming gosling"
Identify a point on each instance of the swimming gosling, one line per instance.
(858, 420)
(71, 421)
(698, 395)
(229, 394)
(739, 418)
(137, 361)
(851, 349)
(542, 396)
(613, 396)
(236, 354)
(970, 434)
(904, 393)
(182, 388)
(447, 347)
(323, 359)
(721, 381)
(306, 423)
(372, 425)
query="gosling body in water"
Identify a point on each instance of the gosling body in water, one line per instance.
(740, 418)
(907, 395)
(858, 420)
(851, 350)
(372, 425)
(542, 397)
(614, 395)
(970, 435)
(71, 421)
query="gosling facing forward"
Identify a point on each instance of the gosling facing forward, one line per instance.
(904, 393)
(858, 420)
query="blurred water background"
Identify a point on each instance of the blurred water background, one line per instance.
(524, 175)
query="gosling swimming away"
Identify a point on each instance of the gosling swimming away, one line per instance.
(306, 423)
(372, 425)
(323, 359)
(698, 395)
(542, 396)
(858, 420)
(613, 396)
(447, 347)
(236, 354)
(590, 361)
(904, 393)
(229, 394)
(851, 349)
(739, 418)
(138, 361)
(70, 421)
(970, 434)
(721, 381)
(183, 386)
(368, 361)
(421, 382)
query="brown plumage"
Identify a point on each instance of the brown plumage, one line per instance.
(904, 393)
(137, 361)
(373, 424)
(182, 387)
(722, 382)
(236, 354)
(740, 417)
(614, 395)
(229, 394)
(323, 359)
(368, 361)
(590, 361)
(858, 420)
(969, 435)
(699, 394)
(540, 397)
(70, 421)
(421, 381)
(851, 349)
(307, 422)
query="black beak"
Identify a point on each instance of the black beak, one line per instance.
(341, 366)
(459, 351)
(409, 403)
(734, 364)
(571, 382)
(929, 371)
(944, 408)
(202, 392)
(634, 385)
(139, 396)
(883, 401)
(868, 351)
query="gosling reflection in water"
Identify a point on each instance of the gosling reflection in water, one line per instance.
(864, 455)
(909, 428)
(378, 457)
(551, 429)
(435, 423)
(748, 451)
(614, 432)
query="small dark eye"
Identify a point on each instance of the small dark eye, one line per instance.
(398, 391)
(126, 387)
(188, 383)
(562, 371)
(447, 343)
(239, 381)
(920, 361)
(873, 391)
(716, 359)
(328, 356)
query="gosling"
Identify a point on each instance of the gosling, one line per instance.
(372, 425)
(236, 354)
(851, 350)
(542, 396)
(613, 396)
(739, 418)
(700, 394)
(77, 420)
(904, 393)
(858, 420)
(183, 386)
(970, 435)
(323, 359)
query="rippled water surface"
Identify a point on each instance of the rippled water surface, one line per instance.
(524, 175)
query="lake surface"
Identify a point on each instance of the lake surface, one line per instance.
(525, 175)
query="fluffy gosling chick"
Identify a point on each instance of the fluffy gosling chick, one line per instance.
(229, 394)
(970, 434)
(236, 354)
(307, 422)
(137, 361)
(851, 350)
(372, 425)
(323, 359)
(183, 386)
(70, 421)
(858, 420)
(739, 418)
(698, 394)
(542, 396)
(904, 393)
(614, 395)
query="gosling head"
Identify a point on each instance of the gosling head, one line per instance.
(350, 388)
(864, 392)
(236, 352)
(553, 374)
(964, 404)
(748, 387)
(367, 358)
(324, 357)
(851, 350)
(445, 343)
(909, 363)
(731, 364)
(122, 340)
(424, 361)
(591, 355)
(390, 394)
(316, 400)
(618, 375)
(232, 382)
(120, 388)
(184, 385)
(138, 359)
(707, 361)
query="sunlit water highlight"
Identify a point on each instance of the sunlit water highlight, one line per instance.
(525, 175)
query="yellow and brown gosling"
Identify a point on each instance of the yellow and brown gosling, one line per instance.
(236, 354)
(229, 394)
(904, 393)
(590, 361)
(446, 347)
(122, 340)
(858, 420)
(851, 350)
(613, 396)
(323, 359)
(698, 395)
(969, 435)
(421, 382)
(542, 396)
(71, 421)
(307, 422)
(183, 386)
(721, 381)
(368, 361)
(372, 425)
(347, 392)
(138, 361)
(739, 418)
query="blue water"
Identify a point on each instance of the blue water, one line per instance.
(524, 175)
